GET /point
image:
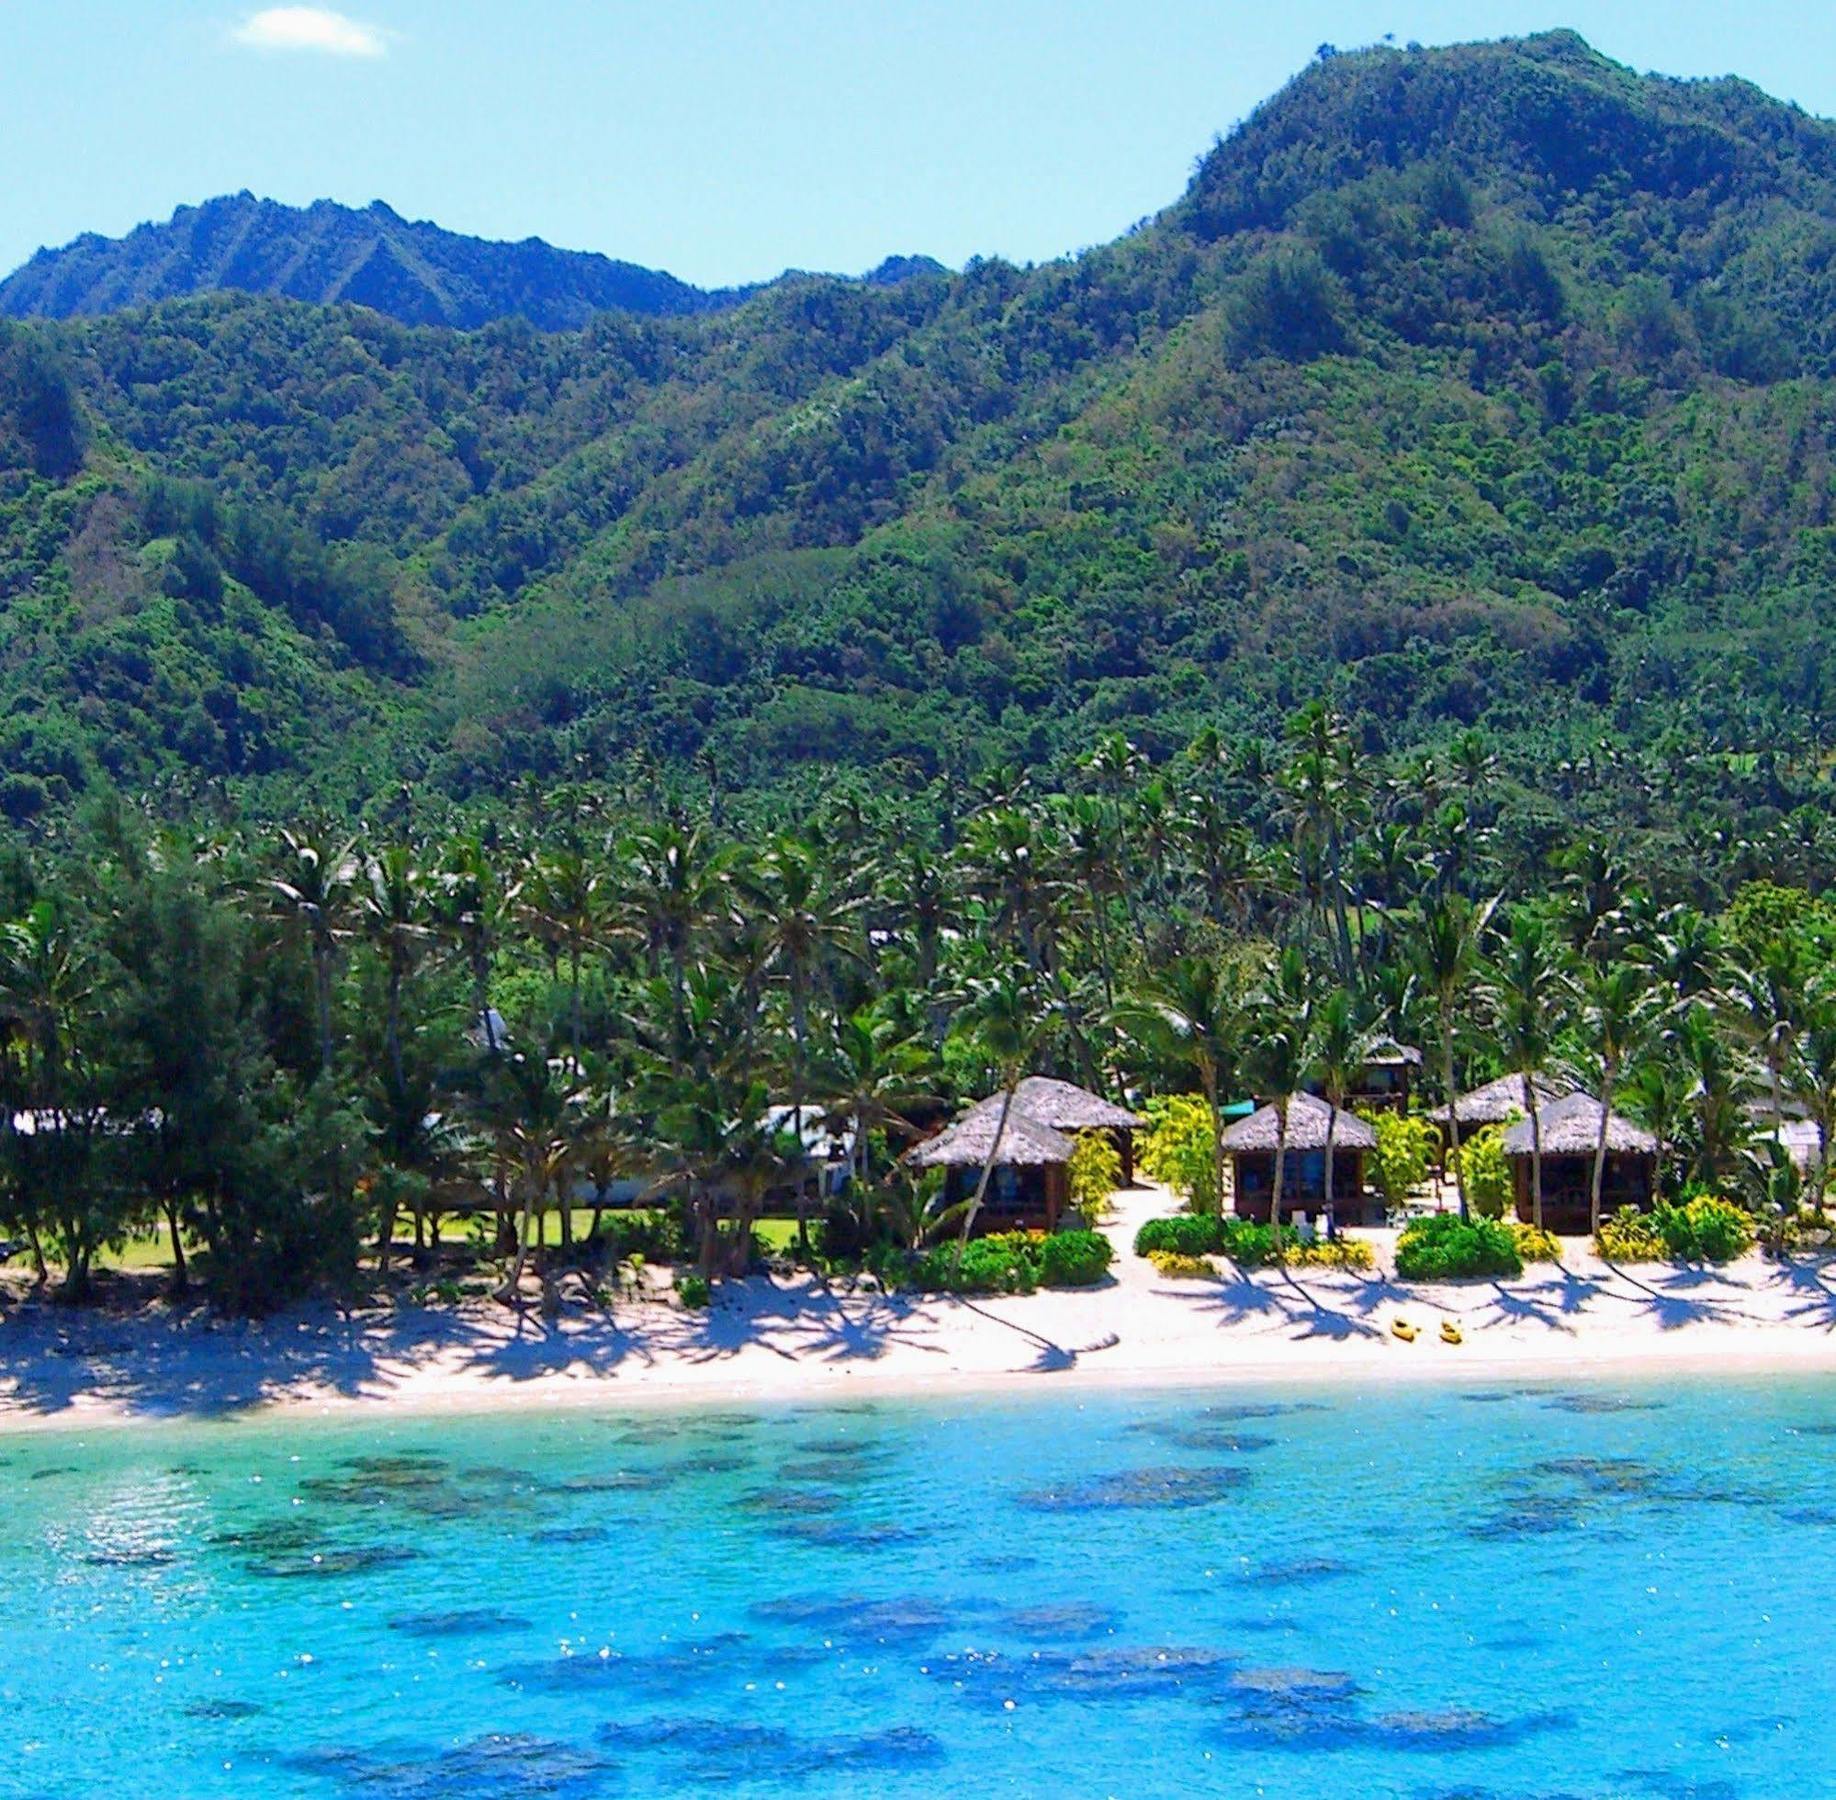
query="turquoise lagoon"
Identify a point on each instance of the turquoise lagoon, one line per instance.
(1433, 1592)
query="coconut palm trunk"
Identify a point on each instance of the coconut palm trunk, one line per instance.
(1608, 1075)
(1536, 1155)
(1332, 1126)
(1281, 1157)
(988, 1166)
(1453, 1115)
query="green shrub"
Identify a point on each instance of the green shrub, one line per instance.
(655, 1236)
(1183, 1268)
(1178, 1149)
(1533, 1244)
(1487, 1172)
(1709, 1229)
(1407, 1145)
(693, 1290)
(1630, 1237)
(1443, 1248)
(1187, 1234)
(1247, 1244)
(1095, 1172)
(1004, 1262)
(1074, 1259)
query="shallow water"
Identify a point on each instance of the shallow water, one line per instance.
(1437, 1594)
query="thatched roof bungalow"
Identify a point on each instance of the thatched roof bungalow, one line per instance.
(1499, 1102)
(1386, 1077)
(1028, 1186)
(1030, 1182)
(1569, 1129)
(1065, 1106)
(966, 1144)
(1250, 1146)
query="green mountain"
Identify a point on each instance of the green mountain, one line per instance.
(1482, 386)
(331, 255)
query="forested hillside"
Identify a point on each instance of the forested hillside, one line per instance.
(331, 254)
(1484, 387)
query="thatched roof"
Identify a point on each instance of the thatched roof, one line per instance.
(1387, 1052)
(1025, 1142)
(1065, 1106)
(1044, 1111)
(1307, 1116)
(1571, 1127)
(1503, 1099)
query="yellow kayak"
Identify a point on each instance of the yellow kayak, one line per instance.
(1404, 1330)
(1450, 1333)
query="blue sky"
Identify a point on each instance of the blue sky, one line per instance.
(726, 141)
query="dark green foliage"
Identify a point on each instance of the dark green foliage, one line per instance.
(1287, 305)
(41, 422)
(658, 1237)
(1246, 1243)
(1013, 1262)
(1706, 1229)
(1441, 1248)
(1459, 379)
(1074, 1259)
(1185, 1234)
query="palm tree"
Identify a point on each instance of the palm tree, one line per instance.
(1718, 1080)
(1527, 986)
(1090, 858)
(1446, 939)
(1011, 872)
(1322, 791)
(1764, 998)
(671, 884)
(312, 887)
(470, 904)
(528, 1106)
(563, 901)
(874, 1074)
(1004, 1017)
(803, 927)
(47, 987)
(1193, 1013)
(392, 906)
(1615, 1018)
(1280, 1056)
(1812, 1074)
(1344, 1040)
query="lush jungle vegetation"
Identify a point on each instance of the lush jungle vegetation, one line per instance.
(1483, 387)
(1150, 666)
(291, 1052)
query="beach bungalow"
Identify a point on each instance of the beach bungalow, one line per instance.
(1250, 1147)
(1031, 1178)
(1500, 1102)
(1030, 1182)
(1066, 1107)
(1386, 1079)
(1570, 1129)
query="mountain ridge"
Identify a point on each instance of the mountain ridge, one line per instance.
(1468, 430)
(326, 253)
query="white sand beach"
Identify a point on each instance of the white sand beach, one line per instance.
(800, 1338)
